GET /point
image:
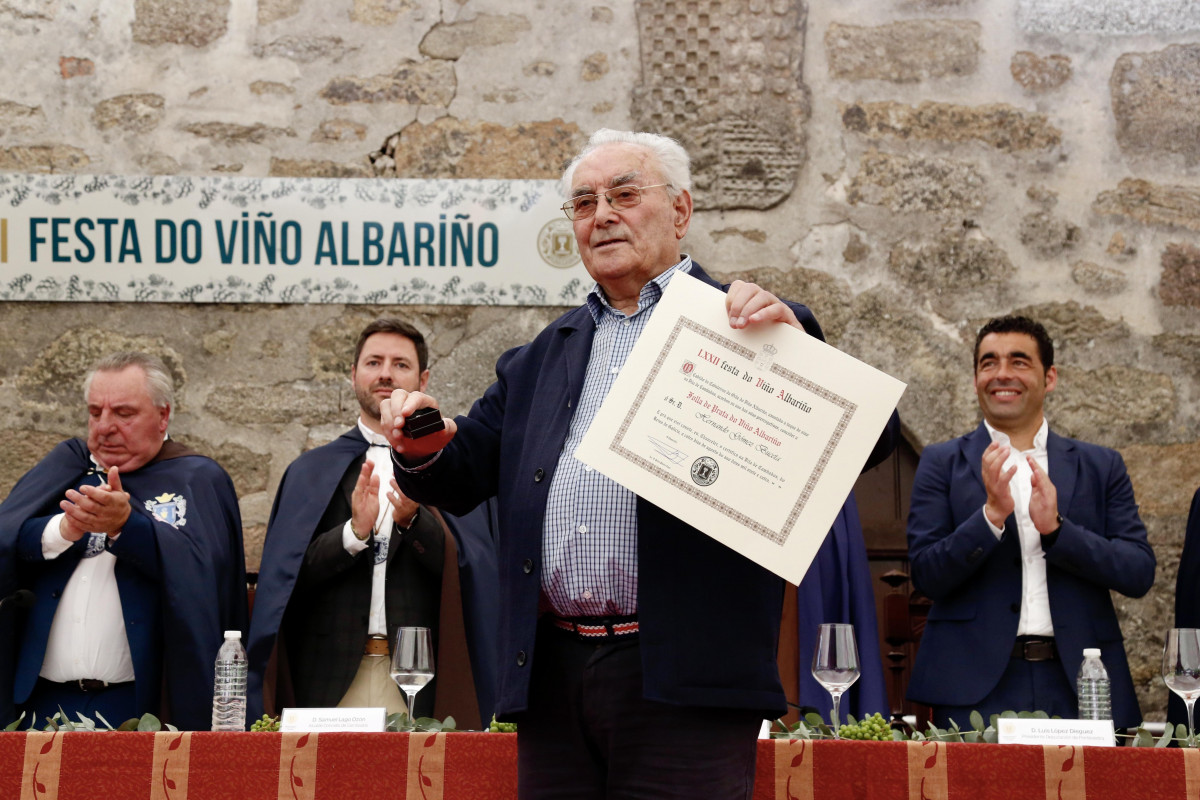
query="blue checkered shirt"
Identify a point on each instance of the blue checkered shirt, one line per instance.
(589, 536)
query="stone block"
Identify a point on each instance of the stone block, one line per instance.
(379, 12)
(24, 448)
(43, 158)
(1111, 17)
(71, 67)
(1183, 347)
(953, 263)
(1038, 75)
(1096, 279)
(316, 168)
(594, 67)
(274, 10)
(271, 88)
(996, 125)
(304, 49)
(1180, 282)
(430, 83)
(917, 183)
(339, 130)
(303, 403)
(1164, 476)
(1156, 103)
(452, 148)
(248, 469)
(234, 133)
(910, 51)
(135, 113)
(1115, 405)
(1152, 204)
(1074, 328)
(1048, 235)
(934, 361)
(196, 23)
(449, 40)
(55, 375)
(18, 118)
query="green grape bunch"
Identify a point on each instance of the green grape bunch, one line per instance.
(873, 729)
(502, 727)
(267, 723)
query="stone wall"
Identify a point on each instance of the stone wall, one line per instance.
(909, 168)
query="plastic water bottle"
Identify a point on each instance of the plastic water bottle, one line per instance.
(1093, 688)
(229, 688)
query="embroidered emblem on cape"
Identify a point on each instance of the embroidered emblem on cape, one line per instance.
(169, 508)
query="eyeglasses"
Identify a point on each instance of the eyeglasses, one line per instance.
(619, 197)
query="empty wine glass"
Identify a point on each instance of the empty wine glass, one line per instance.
(835, 663)
(1181, 670)
(412, 664)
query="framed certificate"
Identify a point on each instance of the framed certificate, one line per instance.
(754, 436)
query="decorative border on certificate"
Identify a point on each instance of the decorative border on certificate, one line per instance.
(778, 537)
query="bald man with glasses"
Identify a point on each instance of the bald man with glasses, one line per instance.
(637, 654)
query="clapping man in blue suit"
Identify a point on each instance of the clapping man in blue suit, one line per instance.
(1017, 534)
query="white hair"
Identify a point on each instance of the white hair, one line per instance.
(158, 380)
(669, 156)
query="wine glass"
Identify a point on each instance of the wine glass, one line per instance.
(412, 664)
(835, 663)
(1181, 670)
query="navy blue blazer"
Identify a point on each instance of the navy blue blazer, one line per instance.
(974, 579)
(709, 618)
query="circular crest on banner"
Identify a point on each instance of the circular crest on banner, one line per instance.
(556, 244)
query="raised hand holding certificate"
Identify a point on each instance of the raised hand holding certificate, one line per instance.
(753, 436)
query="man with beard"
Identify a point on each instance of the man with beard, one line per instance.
(1018, 535)
(132, 546)
(348, 559)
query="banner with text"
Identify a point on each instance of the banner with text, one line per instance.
(286, 240)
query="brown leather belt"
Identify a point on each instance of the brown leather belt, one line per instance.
(597, 628)
(376, 646)
(1035, 648)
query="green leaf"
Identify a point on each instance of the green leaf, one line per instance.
(1143, 738)
(149, 722)
(977, 721)
(1165, 739)
(991, 736)
(130, 724)
(12, 726)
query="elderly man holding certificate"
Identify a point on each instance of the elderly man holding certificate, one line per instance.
(637, 654)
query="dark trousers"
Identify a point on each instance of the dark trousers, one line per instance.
(590, 735)
(116, 704)
(1024, 686)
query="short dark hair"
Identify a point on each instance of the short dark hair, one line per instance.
(1019, 324)
(397, 326)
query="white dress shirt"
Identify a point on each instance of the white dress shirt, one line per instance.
(87, 636)
(1035, 597)
(381, 457)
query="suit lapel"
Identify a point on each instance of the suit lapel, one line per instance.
(973, 445)
(1064, 468)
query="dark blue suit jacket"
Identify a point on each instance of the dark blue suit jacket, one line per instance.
(709, 618)
(137, 575)
(974, 579)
